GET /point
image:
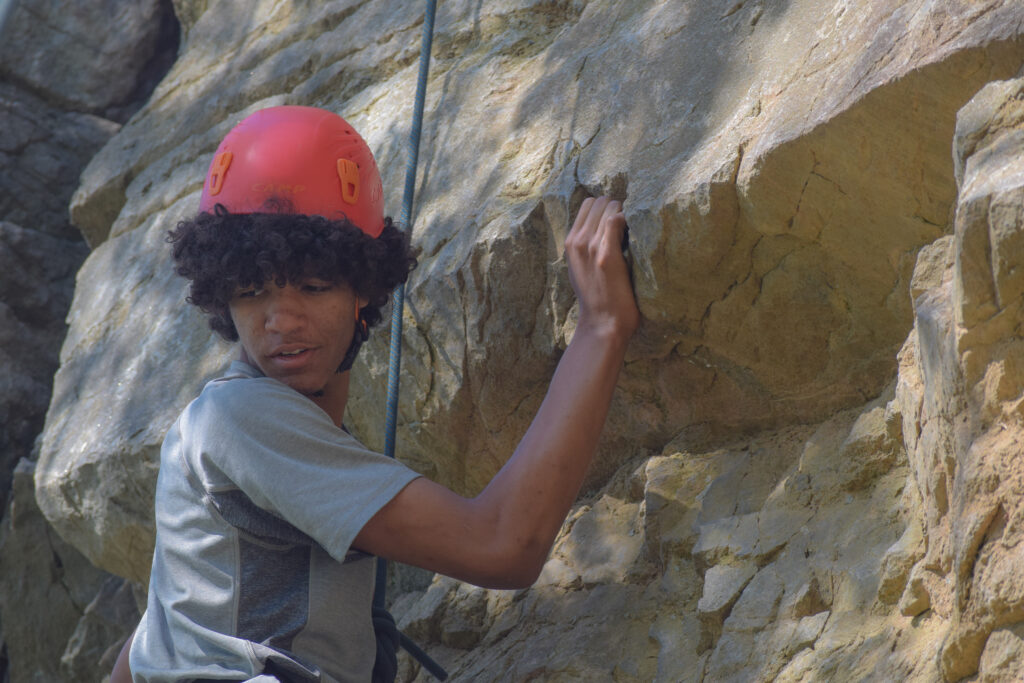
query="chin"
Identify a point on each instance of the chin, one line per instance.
(304, 385)
(308, 388)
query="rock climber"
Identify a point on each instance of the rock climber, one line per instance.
(268, 512)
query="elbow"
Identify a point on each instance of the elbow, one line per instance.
(515, 578)
(509, 552)
(515, 567)
(509, 580)
(528, 577)
(530, 566)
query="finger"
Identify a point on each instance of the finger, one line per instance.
(613, 224)
(613, 211)
(592, 224)
(581, 215)
(598, 212)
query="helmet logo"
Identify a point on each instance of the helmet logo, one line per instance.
(277, 188)
(348, 173)
(218, 169)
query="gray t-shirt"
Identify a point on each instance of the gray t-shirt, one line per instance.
(258, 499)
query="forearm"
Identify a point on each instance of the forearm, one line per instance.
(501, 538)
(530, 497)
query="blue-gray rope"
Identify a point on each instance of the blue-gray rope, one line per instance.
(398, 298)
(397, 307)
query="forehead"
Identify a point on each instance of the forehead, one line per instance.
(288, 274)
(295, 283)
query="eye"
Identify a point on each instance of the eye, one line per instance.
(248, 293)
(317, 287)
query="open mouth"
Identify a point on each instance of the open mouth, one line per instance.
(291, 356)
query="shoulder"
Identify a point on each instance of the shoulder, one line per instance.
(234, 393)
(236, 405)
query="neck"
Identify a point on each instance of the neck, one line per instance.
(334, 397)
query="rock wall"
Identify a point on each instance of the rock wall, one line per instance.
(66, 85)
(783, 492)
(962, 393)
(881, 544)
(63, 619)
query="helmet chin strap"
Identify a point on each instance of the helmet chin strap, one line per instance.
(359, 335)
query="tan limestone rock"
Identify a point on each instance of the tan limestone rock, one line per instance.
(808, 608)
(722, 587)
(1003, 658)
(783, 166)
(605, 542)
(896, 566)
(70, 73)
(747, 214)
(960, 389)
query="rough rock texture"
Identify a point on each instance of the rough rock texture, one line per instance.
(759, 560)
(66, 83)
(880, 545)
(782, 493)
(36, 280)
(68, 54)
(753, 190)
(962, 397)
(61, 613)
(42, 153)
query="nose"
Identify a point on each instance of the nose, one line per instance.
(284, 312)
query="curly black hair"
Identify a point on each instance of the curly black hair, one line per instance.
(222, 251)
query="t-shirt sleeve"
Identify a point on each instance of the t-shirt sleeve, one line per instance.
(283, 452)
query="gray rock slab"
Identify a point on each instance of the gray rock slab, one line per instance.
(36, 282)
(723, 585)
(45, 585)
(83, 64)
(42, 153)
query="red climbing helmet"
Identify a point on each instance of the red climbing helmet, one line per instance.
(301, 160)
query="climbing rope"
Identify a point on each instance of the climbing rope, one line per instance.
(398, 297)
(397, 307)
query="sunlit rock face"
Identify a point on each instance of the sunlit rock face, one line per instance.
(961, 392)
(803, 458)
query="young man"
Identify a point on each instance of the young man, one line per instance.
(268, 512)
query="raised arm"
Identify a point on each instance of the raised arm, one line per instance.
(502, 537)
